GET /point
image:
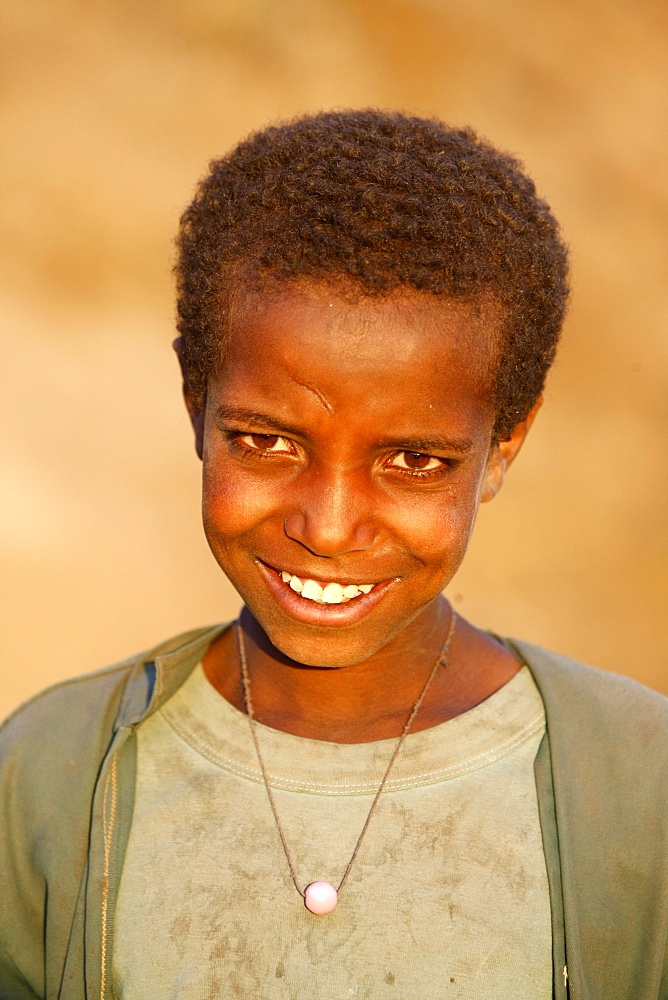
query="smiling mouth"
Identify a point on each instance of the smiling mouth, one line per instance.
(325, 593)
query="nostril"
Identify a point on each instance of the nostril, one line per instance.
(294, 526)
(329, 536)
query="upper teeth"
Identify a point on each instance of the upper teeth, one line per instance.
(331, 593)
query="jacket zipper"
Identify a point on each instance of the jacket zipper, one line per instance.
(109, 821)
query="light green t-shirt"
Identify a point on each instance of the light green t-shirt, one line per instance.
(448, 896)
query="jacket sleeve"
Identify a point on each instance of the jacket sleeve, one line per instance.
(22, 886)
(609, 756)
(50, 753)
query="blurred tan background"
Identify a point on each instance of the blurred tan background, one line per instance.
(110, 113)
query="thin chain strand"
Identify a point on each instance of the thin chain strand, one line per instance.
(251, 719)
(440, 660)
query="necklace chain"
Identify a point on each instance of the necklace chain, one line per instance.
(441, 660)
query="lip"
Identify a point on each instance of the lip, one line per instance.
(313, 613)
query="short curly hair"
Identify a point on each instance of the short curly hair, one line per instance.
(376, 202)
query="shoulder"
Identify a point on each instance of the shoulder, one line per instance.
(573, 688)
(600, 723)
(74, 720)
(54, 721)
(51, 749)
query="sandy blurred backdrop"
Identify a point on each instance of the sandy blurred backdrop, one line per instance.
(111, 111)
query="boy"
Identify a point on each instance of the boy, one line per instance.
(368, 307)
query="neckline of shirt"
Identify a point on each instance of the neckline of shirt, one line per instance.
(218, 732)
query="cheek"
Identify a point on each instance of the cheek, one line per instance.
(438, 528)
(232, 503)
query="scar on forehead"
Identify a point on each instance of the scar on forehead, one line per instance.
(318, 395)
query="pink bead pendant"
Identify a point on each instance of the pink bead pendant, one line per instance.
(320, 897)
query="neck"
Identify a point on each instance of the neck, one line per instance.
(363, 702)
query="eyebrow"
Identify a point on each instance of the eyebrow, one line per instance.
(424, 445)
(428, 445)
(253, 418)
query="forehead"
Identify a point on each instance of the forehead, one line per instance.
(356, 331)
(408, 361)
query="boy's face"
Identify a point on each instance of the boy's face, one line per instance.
(348, 444)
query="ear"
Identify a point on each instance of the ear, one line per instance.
(504, 453)
(196, 413)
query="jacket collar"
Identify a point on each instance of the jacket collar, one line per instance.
(155, 676)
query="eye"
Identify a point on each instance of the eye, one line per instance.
(416, 461)
(265, 442)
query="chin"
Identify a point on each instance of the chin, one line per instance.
(329, 647)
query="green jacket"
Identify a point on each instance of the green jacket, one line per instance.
(67, 776)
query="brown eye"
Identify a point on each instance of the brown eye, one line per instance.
(265, 442)
(416, 461)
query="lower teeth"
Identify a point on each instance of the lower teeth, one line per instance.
(319, 600)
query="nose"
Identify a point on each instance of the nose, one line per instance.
(333, 514)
